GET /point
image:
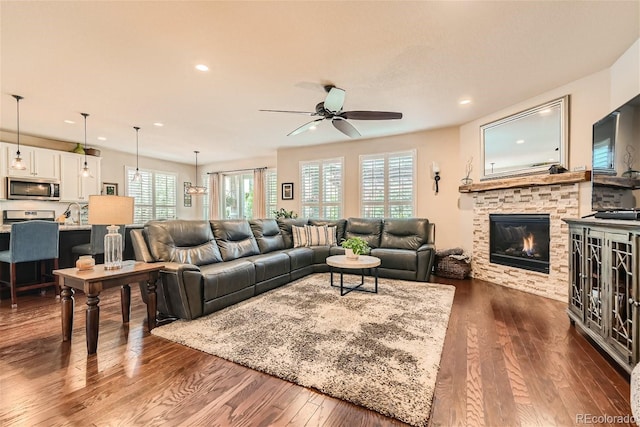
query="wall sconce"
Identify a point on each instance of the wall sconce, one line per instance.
(436, 174)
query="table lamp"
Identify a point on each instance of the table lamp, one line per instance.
(112, 211)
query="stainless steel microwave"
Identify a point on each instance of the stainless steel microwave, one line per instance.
(32, 189)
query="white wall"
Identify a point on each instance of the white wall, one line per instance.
(113, 170)
(592, 98)
(438, 145)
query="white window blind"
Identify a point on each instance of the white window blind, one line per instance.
(321, 188)
(155, 195)
(204, 181)
(271, 192)
(386, 186)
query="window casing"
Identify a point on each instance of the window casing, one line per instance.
(321, 190)
(155, 195)
(387, 187)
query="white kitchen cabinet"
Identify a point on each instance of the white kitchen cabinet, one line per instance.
(73, 186)
(40, 162)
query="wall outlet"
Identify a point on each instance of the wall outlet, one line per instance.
(579, 168)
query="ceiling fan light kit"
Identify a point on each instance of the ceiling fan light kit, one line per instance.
(331, 109)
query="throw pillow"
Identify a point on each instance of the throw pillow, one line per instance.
(300, 236)
(320, 235)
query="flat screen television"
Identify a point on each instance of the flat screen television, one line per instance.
(616, 161)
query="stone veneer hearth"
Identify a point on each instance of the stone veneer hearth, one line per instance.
(557, 200)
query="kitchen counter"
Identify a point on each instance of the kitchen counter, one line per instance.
(72, 235)
(6, 228)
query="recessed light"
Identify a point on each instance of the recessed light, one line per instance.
(71, 122)
(158, 124)
(465, 102)
(520, 141)
(202, 67)
(102, 138)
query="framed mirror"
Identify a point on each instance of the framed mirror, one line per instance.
(528, 142)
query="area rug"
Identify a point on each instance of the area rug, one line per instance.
(380, 351)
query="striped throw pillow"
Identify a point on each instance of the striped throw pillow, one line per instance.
(320, 235)
(300, 236)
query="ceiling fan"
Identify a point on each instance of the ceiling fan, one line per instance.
(331, 109)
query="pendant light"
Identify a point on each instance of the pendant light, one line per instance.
(85, 172)
(195, 189)
(136, 177)
(17, 163)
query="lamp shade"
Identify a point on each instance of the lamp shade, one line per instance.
(110, 210)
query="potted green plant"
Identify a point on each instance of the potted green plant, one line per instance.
(355, 246)
(283, 213)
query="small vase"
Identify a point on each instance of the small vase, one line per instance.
(79, 149)
(349, 254)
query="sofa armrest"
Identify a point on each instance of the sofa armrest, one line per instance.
(178, 267)
(427, 247)
(182, 290)
(426, 260)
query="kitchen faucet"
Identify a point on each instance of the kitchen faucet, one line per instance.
(77, 205)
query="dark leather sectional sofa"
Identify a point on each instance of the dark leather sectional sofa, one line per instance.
(210, 265)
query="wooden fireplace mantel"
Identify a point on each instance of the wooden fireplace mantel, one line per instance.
(527, 181)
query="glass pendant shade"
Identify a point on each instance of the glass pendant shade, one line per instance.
(113, 211)
(196, 190)
(85, 172)
(17, 162)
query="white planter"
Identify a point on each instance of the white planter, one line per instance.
(349, 254)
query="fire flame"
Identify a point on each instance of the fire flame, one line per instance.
(528, 244)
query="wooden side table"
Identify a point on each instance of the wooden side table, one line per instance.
(92, 282)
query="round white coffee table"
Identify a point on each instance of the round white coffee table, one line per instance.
(343, 263)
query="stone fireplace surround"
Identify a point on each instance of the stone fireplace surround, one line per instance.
(557, 200)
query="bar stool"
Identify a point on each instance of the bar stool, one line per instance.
(96, 241)
(31, 241)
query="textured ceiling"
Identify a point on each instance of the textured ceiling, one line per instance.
(132, 64)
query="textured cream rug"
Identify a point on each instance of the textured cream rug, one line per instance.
(381, 351)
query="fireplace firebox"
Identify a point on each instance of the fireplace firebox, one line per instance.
(520, 240)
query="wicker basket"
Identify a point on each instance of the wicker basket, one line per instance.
(452, 268)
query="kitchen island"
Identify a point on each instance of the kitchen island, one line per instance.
(70, 236)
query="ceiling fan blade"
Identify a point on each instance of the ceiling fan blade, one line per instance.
(308, 113)
(305, 127)
(345, 127)
(370, 115)
(334, 100)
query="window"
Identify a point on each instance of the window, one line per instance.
(270, 192)
(237, 196)
(204, 179)
(155, 195)
(386, 187)
(321, 189)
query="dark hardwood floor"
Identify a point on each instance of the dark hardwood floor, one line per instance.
(509, 359)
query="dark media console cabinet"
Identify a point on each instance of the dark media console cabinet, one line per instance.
(604, 295)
